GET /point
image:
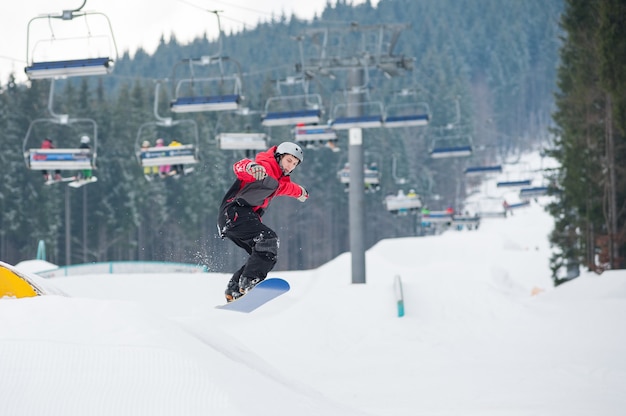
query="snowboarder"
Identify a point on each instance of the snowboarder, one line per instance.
(245, 202)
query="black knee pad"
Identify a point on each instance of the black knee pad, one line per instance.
(267, 247)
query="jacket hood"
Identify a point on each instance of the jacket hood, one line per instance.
(268, 158)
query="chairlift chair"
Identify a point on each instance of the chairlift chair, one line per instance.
(516, 177)
(68, 54)
(407, 115)
(67, 157)
(166, 155)
(370, 115)
(482, 170)
(371, 177)
(212, 92)
(215, 102)
(533, 192)
(292, 110)
(186, 153)
(437, 217)
(521, 204)
(242, 141)
(451, 146)
(513, 183)
(314, 132)
(230, 135)
(401, 203)
(469, 222)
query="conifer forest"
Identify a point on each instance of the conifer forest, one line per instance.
(509, 76)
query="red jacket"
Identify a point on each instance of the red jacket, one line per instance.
(259, 194)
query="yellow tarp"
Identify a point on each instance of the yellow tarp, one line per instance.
(13, 285)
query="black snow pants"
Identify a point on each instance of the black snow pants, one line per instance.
(243, 226)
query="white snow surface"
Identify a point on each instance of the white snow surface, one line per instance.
(473, 341)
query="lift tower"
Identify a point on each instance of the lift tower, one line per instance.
(355, 50)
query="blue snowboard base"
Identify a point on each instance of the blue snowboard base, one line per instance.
(262, 293)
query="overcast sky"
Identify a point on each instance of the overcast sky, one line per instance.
(140, 23)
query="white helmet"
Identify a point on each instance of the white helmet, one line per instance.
(84, 139)
(292, 149)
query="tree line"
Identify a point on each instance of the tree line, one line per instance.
(590, 139)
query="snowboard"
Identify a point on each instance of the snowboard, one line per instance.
(262, 293)
(80, 182)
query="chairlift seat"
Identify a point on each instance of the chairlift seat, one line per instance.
(344, 176)
(205, 103)
(466, 220)
(406, 120)
(242, 141)
(371, 177)
(364, 122)
(314, 132)
(395, 203)
(451, 151)
(287, 118)
(60, 159)
(168, 155)
(533, 192)
(437, 217)
(79, 67)
(513, 184)
(478, 170)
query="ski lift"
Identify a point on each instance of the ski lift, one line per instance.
(451, 146)
(402, 203)
(206, 89)
(172, 155)
(370, 115)
(242, 141)
(516, 205)
(467, 221)
(219, 92)
(517, 179)
(361, 112)
(406, 111)
(533, 192)
(314, 132)
(513, 183)
(371, 176)
(65, 131)
(482, 170)
(63, 53)
(437, 217)
(313, 136)
(230, 136)
(289, 110)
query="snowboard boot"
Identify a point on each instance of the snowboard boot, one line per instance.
(232, 296)
(232, 291)
(247, 283)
